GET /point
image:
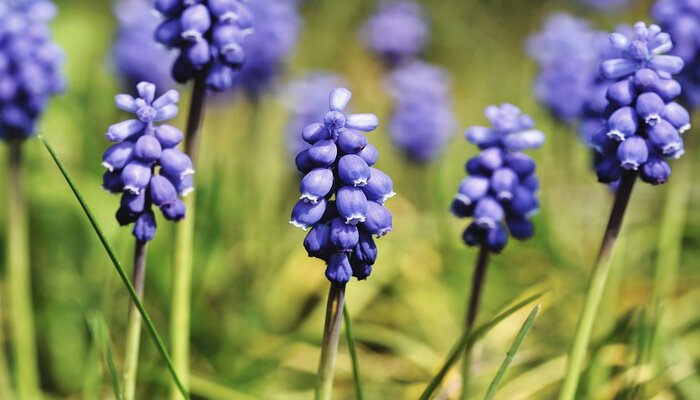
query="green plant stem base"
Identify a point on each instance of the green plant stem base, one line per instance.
(133, 329)
(329, 348)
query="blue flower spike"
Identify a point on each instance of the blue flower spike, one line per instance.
(342, 196)
(500, 191)
(144, 164)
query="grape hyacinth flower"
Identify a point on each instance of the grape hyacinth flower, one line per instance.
(423, 118)
(499, 195)
(30, 66)
(134, 38)
(306, 98)
(681, 19)
(144, 164)
(397, 32)
(342, 207)
(642, 130)
(277, 26)
(644, 124)
(209, 35)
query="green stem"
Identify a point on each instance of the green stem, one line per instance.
(353, 354)
(329, 349)
(20, 280)
(482, 263)
(184, 246)
(6, 391)
(133, 330)
(153, 332)
(596, 288)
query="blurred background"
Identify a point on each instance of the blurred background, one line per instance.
(258, 300)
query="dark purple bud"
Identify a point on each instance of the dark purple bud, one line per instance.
(503, 182)
(353, 170)
(343, 236)
(677, 116)
(316, 184)
(622, 124)
(472, 189)
(195, 22)
(175, 163)
(162, 191)
(521, 163)
(608, 169)
(136, 176)
(303, 162)
(621, 93)
(174, 211)
(360, 270)
(338, 269)
(645, 80)
(655, 171)
(112, 181)
(219, 78)
(147, 149)
(351, 142)
(520, 228)
(531, 182)
(145, 227)
(488, 213)
(649, 107)
(168, 136)
(352, 204)
(379, 188)
(305, 214)
(633, 152)
(496, 239)
(169, 8)
(379, 220)
(314, 133)
(118, 155)
(474, 235)
(668, 89)
(460, 209)
(169, 33)
(665, 138)
(318, 241)
(323, 153)
(489, 159)
(134, 203)
(126, 217)
(365, 251)
(198, 53)
(370, 154)
(524, 202)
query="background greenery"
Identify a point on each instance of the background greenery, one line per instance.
(258, 300)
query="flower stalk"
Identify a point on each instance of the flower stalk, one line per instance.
(184, 244)
(482, 263)
(133, 333)
(19, 277)
(329, 348)
(601, 270)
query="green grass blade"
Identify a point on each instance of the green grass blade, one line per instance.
(469, 340)
(493, 387)
(353, 354)
(98, 326)
(120, 270)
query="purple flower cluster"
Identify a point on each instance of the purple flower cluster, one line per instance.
(145, 164)
(397, 32)
(209, 35)
(681, 19)
(277, 26)
(643, 122)
(568, 53)
(30, 66)
(342, 195)
(500, 191)
(134, 38)
(423, 118)
(306, 98)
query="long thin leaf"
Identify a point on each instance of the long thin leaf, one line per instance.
(120, 270)
(353, 354)
(100, 334)
(493, 387)
(469, 340)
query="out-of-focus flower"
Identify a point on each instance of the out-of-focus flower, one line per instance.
(397, 32)
(30, 66)
(500, 191)
(342, 195)
(423, 118)
(306, 98)
(277, 26)
(607, 5)
(209, 36)
(643, 122)
(681, 19)
(136, 56)
(144, 164)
